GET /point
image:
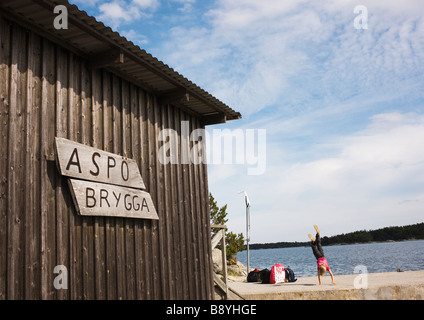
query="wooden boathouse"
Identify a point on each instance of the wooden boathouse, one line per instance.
(88, 91)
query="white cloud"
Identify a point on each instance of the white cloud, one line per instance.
(187, 5)
(373, 179)
(145, 4)
(116, 12)
(342, 107)
(257, 54)
(136, 37)
(90, 3)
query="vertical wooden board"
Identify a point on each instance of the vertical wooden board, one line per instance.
(32, 166)
(151, 136)
(97, 125)
(77, 84)
(134, 134)
(193, 216)
(128, 223)
(110, 248)
(87, 222)
(165, 246)
(111, 273)
(4, 139)
(86, 111)
(208, 230)
(164, 276)
(118, 225)
(129, 258)
(207, 247)
(96, 109)
(167, 207)
(16, 164)
(188, 221)
(146, 241)
(99, 244)
(176, 239)
(204, 222)
(127, 151)
(107, 111)
(146, 172)
(75, 221)
(50, 173)
(62, 87)
(72, 134)
(138, 225)
(36, 152)
(184, 262)
(43, 170)
(28, 175)
(198, 213)
(71, 123)
(120, 259)
(47, 124)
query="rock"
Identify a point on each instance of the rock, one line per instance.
(237, 269)
(217, 260)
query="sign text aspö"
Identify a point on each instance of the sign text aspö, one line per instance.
(83, 162)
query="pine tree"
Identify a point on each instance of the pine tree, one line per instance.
(234, 242)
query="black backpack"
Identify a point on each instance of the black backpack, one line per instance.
(265, 274)
(253, 276)
(290, 275)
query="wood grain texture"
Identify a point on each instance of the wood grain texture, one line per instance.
(47, 91)
(100, 199)
(79, 161)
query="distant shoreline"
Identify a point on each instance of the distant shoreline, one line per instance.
(388, 234)
(334, 244)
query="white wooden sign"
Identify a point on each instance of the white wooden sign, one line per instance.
(99, 199)
(103, 183)
(79, 161)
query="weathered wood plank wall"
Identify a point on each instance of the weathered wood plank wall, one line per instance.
(47, 91)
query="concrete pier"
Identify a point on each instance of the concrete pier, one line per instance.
(372, 286)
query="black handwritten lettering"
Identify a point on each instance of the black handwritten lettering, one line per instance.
(134, 204)
(95, 154)
(144, 204)
(117, 198)
(127, 170)
(103, 196)
(127, 204)
(109, 165)
(74, 163)
(90, 196)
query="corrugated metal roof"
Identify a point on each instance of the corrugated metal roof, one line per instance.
(92, 39)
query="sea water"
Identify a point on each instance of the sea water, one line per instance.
(376, 257)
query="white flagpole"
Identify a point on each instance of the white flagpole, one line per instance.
(247, 201)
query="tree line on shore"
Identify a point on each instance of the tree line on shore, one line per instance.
(409, 232)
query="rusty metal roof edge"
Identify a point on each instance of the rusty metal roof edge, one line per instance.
(120, 41)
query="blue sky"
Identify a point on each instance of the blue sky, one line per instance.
(343, 108)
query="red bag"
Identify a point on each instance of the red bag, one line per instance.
(278, 273)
